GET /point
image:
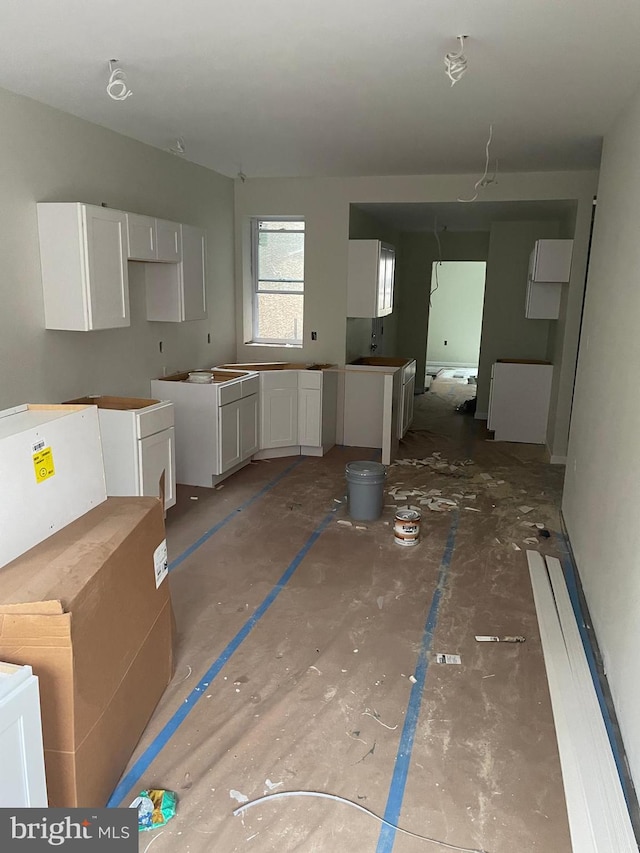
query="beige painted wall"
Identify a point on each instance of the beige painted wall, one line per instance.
(601, 502)
(48, 155)
(506, 332)
(325, 202)
(418, 253)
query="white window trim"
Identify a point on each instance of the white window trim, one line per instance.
(255, 339)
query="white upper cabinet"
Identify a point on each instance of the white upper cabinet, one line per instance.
(550, 260)
(177, 292)
(169, 241)
(83, 255)
(549, 268)
(141, 234)
(370, 280)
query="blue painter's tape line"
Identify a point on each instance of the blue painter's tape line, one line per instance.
(405, 747)
(171, 727)
(209, 533)
(570, 574)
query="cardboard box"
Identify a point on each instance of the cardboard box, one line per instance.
(51, 470)
(89, 610)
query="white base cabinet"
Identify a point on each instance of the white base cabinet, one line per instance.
(138, 444)
(216, 424)
(22, 772)
(297, 412)
(519, 398)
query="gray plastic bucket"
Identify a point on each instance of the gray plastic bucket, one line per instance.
(365, 490)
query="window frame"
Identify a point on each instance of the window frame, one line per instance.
(255, 291)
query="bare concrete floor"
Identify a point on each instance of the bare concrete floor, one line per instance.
(299, 641)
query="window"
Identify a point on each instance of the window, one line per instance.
(278, 280)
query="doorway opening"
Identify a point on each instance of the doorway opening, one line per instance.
(455, 320)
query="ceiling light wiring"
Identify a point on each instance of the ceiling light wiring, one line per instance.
(456, 63)
(117, 87)
(439, 261)
(484, 181)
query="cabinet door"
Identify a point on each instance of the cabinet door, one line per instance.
(310, 417)
(552, 260)
(168, 241)
(141, 236)
(229, 435)
(407, 406)
(543, 300)
(106, 267)
(381, 282)
(391, 274)
(194, 300)
(248, 426)
(22, 779)
(279, 421)
(157, 456)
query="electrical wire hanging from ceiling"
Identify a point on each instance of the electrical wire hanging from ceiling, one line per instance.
(484, 181)
(456, 63)
(439, 261)
(117, 87)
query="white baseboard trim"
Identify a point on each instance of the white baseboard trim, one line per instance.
(481, 416)
(599, 820)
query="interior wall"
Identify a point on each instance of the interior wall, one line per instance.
(419, 251)
(325, 203)
(455, 317)
(506, 332)
(601, 503)
(48, 155)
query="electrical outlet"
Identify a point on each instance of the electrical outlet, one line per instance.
(160, 346)
(314, 336)
(209, 338)
(445, 343)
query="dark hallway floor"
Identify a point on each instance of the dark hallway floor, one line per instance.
(306, 656)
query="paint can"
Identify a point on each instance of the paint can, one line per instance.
(406, 527)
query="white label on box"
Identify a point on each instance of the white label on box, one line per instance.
(440, 658)
(160, 562)
(39, 445)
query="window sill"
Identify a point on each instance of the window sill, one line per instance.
(273, 346)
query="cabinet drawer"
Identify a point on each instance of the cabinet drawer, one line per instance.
(272, 379)
(408, 371)
(310, 379)
(154, 419)
(230, 392)
(250, 386)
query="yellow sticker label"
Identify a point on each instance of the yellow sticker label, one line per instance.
(43, 464)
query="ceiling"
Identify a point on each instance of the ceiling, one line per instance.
(453, 216)
(299, 87)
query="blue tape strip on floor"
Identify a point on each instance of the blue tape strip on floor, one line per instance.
(172, 726)
(209, 533)
(570, 575)
(405, 747)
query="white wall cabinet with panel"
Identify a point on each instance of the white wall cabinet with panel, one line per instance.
(83, 256)
(141, 238)
(138, 445)
(297, 412)
(22, 771)
(216, 423)
(169, 241)
(370, 278)
(549, 268)
(176, 292)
